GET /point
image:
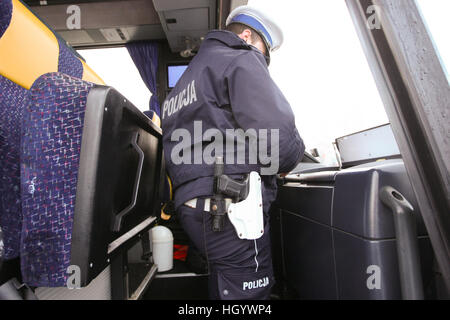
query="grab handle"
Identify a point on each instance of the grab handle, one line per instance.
(407, 245)
(119, 217)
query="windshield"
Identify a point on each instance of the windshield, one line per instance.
(323, 72)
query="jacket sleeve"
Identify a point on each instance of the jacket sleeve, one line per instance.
(257, 102)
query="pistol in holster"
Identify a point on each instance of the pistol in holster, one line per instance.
(225, 189)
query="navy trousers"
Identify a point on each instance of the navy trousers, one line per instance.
(238, 269)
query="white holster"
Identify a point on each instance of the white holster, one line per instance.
(247, 216)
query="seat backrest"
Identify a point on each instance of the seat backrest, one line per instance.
(12, 99)
(53, 124)
(28, 49)
(91, 168)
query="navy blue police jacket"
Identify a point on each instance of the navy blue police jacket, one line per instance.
(226, 86)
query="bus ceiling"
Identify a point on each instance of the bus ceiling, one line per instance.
(93, 24)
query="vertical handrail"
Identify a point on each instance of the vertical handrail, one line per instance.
(407, 243)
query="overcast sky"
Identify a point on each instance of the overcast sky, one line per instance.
(321, 68)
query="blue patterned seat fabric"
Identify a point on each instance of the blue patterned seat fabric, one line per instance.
(12, 99)
(5, 15)
(68, 63)
(51, 145)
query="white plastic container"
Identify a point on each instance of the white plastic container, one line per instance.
(162, 247)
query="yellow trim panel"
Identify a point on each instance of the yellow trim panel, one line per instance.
(156, 120)
(90, 75)
(28, 49)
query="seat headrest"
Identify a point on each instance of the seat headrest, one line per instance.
(28, 48)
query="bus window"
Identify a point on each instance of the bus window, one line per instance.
(117, 69)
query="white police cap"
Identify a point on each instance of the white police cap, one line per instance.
(265, 26)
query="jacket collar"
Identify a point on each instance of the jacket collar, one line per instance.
(233, 41)
(229, 38)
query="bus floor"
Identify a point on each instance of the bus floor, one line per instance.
(179, 283)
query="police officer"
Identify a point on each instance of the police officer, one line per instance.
(227, 86)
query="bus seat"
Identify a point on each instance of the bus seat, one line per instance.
(51, 144)
(5, 16)
(152, 115)
(68, 63)
(27, 50)
(12, 99)
(79, 172)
